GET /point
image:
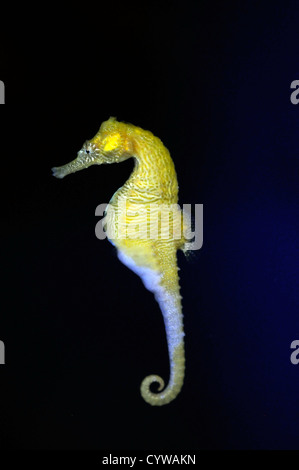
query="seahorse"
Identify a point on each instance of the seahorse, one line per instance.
(152, 186)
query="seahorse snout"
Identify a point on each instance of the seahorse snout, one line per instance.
(58, 172)
(83, 160)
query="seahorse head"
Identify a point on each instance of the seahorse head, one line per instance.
(113, 143)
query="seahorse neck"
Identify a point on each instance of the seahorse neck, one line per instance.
(153, 176)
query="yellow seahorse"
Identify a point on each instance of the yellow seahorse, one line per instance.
(132, 216)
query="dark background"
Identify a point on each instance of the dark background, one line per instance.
(212, 80)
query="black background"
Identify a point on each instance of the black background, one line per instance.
(212, 80)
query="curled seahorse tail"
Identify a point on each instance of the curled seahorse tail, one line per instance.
(174, 386)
